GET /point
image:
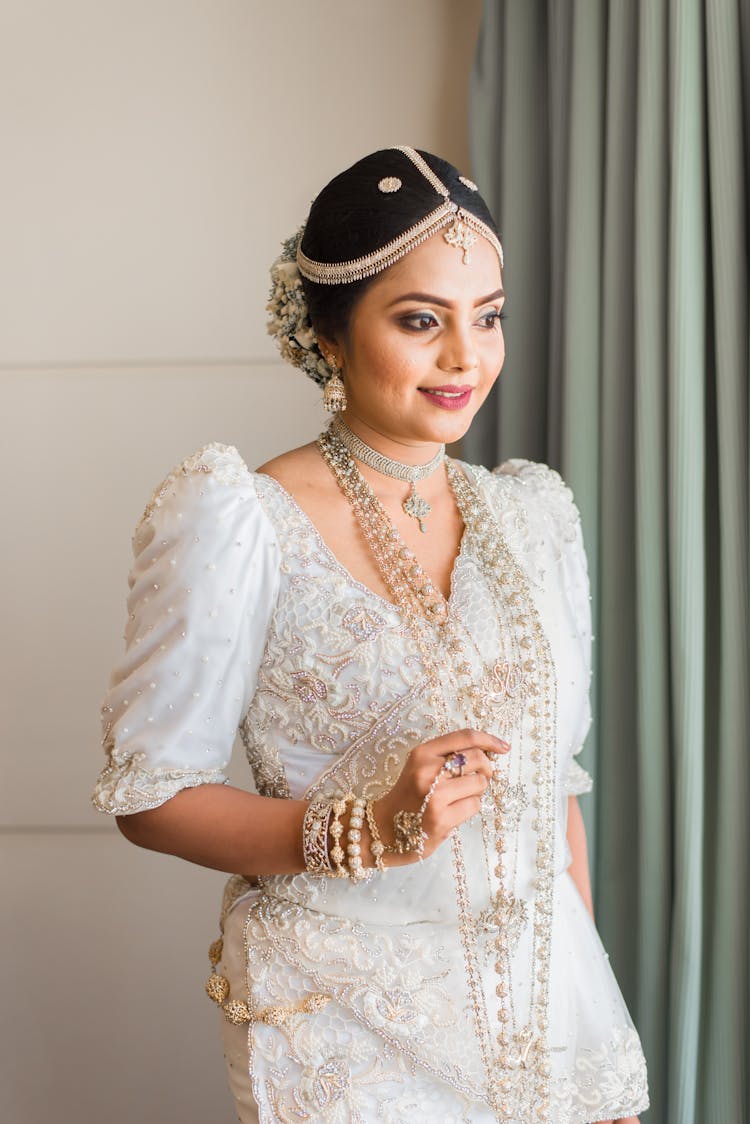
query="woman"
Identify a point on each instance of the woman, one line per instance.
(403, 642)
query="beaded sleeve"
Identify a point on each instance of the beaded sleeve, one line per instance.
(202, 588)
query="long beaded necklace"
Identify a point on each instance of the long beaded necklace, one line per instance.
(522, 683)
(415, 506)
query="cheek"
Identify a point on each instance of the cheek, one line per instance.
(491, 363)
(386, 362)
(493, 357)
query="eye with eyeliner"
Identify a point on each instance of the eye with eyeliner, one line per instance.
(493, 318)
(426, 320)
(413, 322)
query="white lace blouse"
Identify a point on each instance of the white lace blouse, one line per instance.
(241, 619)
(203, 588)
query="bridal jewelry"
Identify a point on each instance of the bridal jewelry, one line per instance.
(353, 836)
(315, 841)
(517, 693)
(376, 843)
(334, 391)
(454, 764)
(408, 832)
(237, 1011)
(336, 829)
(414, 505)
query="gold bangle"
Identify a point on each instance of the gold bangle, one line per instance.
(315, 843)
(336, 830)
(377, 846)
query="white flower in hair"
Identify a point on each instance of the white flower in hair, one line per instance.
(289, 319)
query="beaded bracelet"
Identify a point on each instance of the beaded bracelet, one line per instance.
(377, 846)
(338, 807)
(353, 837)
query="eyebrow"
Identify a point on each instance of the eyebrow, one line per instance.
(428, 298)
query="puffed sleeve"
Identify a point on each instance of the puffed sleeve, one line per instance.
(558, 522)
(203, 586)
(577, 780)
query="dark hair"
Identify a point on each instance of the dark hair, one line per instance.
(352, 217)
(331, 306)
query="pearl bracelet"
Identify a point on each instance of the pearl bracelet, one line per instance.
(353, 837)
(336, 830)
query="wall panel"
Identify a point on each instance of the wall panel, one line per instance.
(155, 153)
(104, 1017)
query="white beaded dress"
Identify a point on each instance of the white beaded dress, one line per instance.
(241, 619)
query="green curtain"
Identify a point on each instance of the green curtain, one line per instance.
(612, 139)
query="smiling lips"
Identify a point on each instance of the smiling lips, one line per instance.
(448, 397)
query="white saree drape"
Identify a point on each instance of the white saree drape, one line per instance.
(242, 618)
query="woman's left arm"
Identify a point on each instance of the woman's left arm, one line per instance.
(579, 866)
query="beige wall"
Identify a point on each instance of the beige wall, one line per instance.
(155, 152)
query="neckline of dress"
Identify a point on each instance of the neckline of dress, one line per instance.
(336, 564)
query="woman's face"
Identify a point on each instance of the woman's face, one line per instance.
(424, 344)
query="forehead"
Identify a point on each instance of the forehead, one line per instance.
(438, 268)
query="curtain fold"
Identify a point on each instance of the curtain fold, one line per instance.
(653, 717)
(728, 153)
(613, 143)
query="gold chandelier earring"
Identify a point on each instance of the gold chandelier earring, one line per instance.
(334, 392)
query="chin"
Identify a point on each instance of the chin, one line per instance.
(447, 430)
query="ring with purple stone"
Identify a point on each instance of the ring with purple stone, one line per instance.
(454, 764)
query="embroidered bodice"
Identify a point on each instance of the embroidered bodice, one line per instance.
(241, 619)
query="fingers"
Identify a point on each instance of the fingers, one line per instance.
(465, 761)
(454, 802)
(461, 740)
(459, 812)
(452, 790)
(473, 751)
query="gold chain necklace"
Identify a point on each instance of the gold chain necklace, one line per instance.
(518, 1069)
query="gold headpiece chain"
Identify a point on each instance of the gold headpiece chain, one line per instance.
(465, 227)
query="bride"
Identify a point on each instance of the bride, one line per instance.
(403, 642)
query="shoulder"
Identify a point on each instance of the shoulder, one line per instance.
(531, 495)
(212, 488)
(303, 474)
(222, 462)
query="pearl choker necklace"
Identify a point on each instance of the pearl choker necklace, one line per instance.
(416, 506)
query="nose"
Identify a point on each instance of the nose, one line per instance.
(458, 352)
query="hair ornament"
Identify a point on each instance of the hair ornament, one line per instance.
(460, 236)
(465, 226)
(389, 184)
(350, 238)
(289, 319)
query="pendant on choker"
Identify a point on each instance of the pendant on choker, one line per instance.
(415, 506)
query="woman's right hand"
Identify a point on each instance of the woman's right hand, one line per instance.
(454, 800)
